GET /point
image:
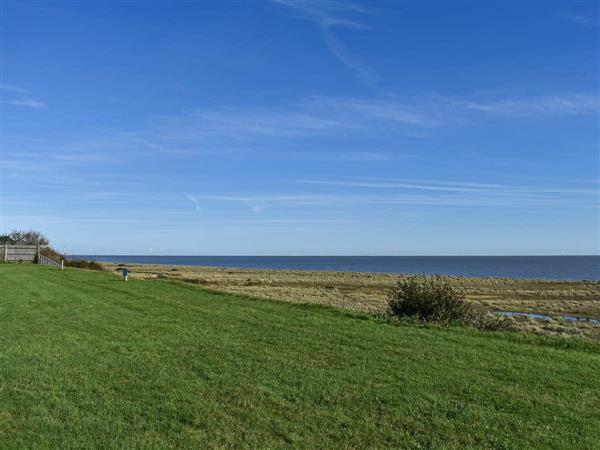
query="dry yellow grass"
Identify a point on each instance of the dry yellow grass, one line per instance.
(368, 291)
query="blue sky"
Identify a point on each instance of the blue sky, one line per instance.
(282, 127)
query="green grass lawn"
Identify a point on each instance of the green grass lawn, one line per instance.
(88, 361)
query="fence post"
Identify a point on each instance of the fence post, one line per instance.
(38, 254)
(5, 252)
(62, 264)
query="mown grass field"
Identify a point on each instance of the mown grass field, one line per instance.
(88, 361)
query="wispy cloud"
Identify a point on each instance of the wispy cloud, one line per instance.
(349, 201)
(257, 209)
(280, 131)
(194, 200)
(355, 110)
(13, 88)
(320, 116)
(24, 158)
(363, 156)
(47, 219)
(311, 117)
(328, 15)
(553, 105)
(585, 18)
(396, 185)
(238, 123)
(453, 187)
(26, 101)
(81, 157)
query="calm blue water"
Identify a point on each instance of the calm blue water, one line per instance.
(548, 318)
(546, 267)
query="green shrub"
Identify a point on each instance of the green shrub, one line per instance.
(430, 299)
(434, 299)
(49, 252)
(83, 264)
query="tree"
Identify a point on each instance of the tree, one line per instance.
(28, 237)
(6, 239)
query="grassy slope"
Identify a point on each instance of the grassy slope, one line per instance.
(89, 361)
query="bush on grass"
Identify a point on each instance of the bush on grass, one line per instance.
(83, 264)
(434, 299)
(430, 299)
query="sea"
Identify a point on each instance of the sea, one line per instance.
(538, 267)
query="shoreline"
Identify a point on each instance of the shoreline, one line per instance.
(547, 268)
(350, 272)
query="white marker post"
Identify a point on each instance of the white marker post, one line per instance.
(62, 264)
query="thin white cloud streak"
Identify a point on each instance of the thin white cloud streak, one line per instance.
(257, 209)
(443, 186)
(516, 198)
(83, 158)
(26, 101)
(394, 185)
(225, 130)
(327, 16)
(343, 201)
(314, 116)
(235, 129)
(329, 116)
(352, 156)
(49, 219)
(194, 200)
(362, 70)
(236, 123)
(13, 88)
(390, 111)
(55, 219)
(50, 162)
(393, 196)
(449, 183)
(581, 18)
(553, 105)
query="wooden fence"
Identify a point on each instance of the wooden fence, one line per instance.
(19, 252)
(29, 253)
(48, 262)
